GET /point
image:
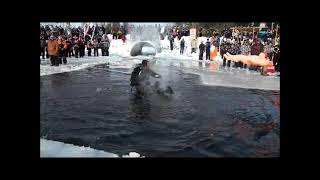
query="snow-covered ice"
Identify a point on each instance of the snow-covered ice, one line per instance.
(49, 148)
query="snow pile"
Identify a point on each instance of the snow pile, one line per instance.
(49, 148)
(132, 155)
(119, 48)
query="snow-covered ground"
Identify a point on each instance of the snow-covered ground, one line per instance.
(49, 148)
(72, 65)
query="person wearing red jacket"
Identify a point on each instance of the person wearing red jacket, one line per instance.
(62, 50)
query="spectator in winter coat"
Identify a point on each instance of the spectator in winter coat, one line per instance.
(114, 34)
(42, 46)
(245, 50)
(123, 37)
(82, 47)
(193, 45)
(53, 50)
(105, 47)
(62, 50)
(104, 38)
(268, 50)
(237, 50)
(119, 34)
(208, 50)
(69, 47)
(95, 47)
(89, 47)
(201, 49)
(182, 43)
(171, 39)
(225, 47)
(276, 58)
(76, 46)
(47, 54)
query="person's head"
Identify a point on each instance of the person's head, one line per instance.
(145, 63)
(208, 39)
(51, 37)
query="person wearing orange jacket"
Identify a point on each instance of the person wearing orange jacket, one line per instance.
(62, 50)
(53, 51)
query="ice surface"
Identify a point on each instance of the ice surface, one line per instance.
(49, 148)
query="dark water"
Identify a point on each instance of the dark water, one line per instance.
(94, 107)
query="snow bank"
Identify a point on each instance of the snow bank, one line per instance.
(49, 148)
(118, 47)
(73, 65)
(237, 78)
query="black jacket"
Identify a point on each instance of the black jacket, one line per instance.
(141, 75)
(182, 43)
(43, 43)
(201, 47)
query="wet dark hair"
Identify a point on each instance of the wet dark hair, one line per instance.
(145, 62)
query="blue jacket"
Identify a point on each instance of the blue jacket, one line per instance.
(207, 45)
